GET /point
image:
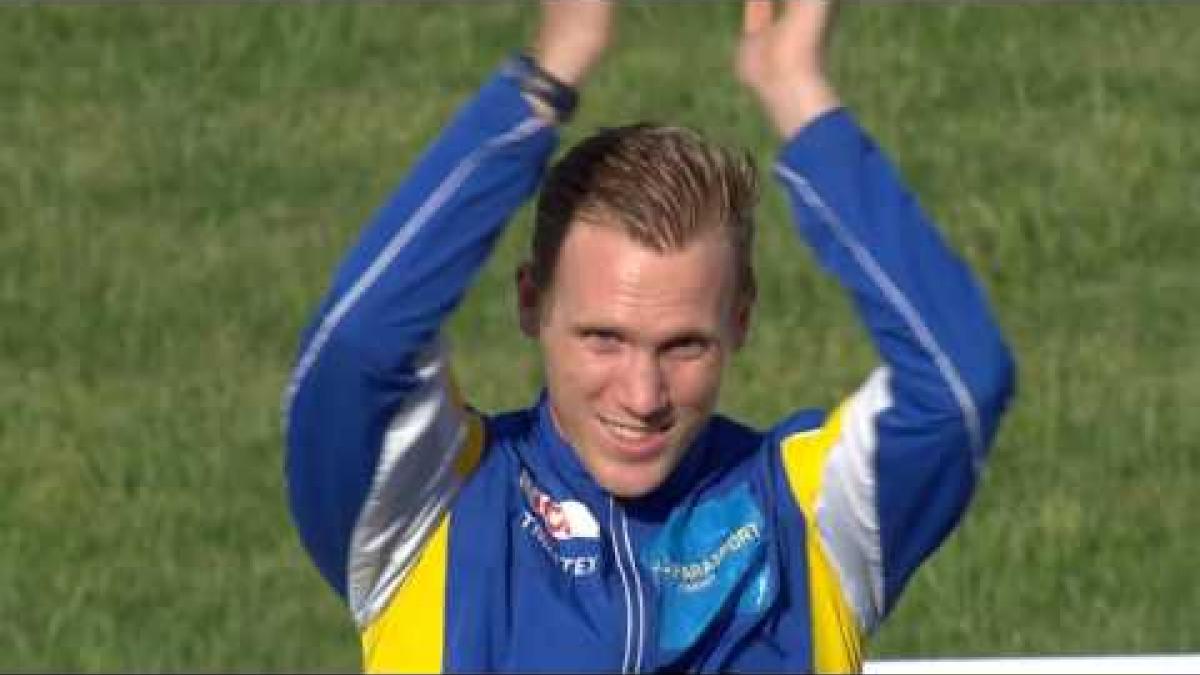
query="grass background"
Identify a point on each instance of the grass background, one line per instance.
(176, 184)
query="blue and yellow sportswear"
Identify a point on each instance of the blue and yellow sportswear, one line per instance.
(466, 541)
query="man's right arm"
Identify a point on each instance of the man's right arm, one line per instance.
(373, 423)
(378, 438)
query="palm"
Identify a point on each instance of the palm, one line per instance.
(791, 45)
(781, 57)
(572, 36)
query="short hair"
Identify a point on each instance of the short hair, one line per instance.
(661, 185)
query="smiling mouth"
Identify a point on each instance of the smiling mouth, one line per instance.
(637, 439)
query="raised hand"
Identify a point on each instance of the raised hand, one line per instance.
(572, 36)
(782, 59)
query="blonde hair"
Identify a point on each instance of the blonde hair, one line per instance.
(663, 186)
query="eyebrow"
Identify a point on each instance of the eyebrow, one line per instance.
(684, 335)
(597, 328)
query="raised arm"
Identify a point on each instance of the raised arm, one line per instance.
(892, 470)
(378, 439)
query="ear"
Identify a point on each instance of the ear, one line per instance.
(529, 306)
(742, 314)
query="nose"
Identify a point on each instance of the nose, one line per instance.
(644, 390)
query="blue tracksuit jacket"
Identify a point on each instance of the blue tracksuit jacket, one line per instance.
(464, 541)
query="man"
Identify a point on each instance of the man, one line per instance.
(619, 524)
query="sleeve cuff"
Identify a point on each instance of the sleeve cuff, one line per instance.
(499, 105)
(826, 137)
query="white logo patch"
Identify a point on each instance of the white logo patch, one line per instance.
(550, 522)
(564, 520)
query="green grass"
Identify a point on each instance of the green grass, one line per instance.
(177, 182)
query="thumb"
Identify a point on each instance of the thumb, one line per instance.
(757, 16)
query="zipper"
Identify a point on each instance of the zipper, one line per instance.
(631, 581)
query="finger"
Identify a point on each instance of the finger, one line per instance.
(812, 12)
(757, 15)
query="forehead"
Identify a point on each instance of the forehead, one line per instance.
(605, 276)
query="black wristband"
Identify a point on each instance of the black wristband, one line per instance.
(535, 81)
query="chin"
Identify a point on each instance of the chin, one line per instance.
(632, 482)
(631, 492)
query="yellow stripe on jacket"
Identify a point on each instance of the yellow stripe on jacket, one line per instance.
(836, 636)
(409, 634)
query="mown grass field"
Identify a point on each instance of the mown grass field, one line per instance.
(177, 182)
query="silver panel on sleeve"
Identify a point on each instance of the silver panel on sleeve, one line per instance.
(414, 482)
(846, 508)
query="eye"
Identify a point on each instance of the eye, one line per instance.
(602, 341)
(688, 347)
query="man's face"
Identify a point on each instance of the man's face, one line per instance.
(634, 344)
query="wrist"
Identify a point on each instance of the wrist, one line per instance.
(792, 106)
(562, 66)
(572, 37)
(549, 96)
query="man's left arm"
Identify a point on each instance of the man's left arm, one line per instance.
(904, 452)
(891, 471)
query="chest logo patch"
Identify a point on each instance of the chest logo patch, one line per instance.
(708, 558)
(565, 530)
(562, 520)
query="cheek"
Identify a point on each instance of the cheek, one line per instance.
(696, 384)
(576, 371)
